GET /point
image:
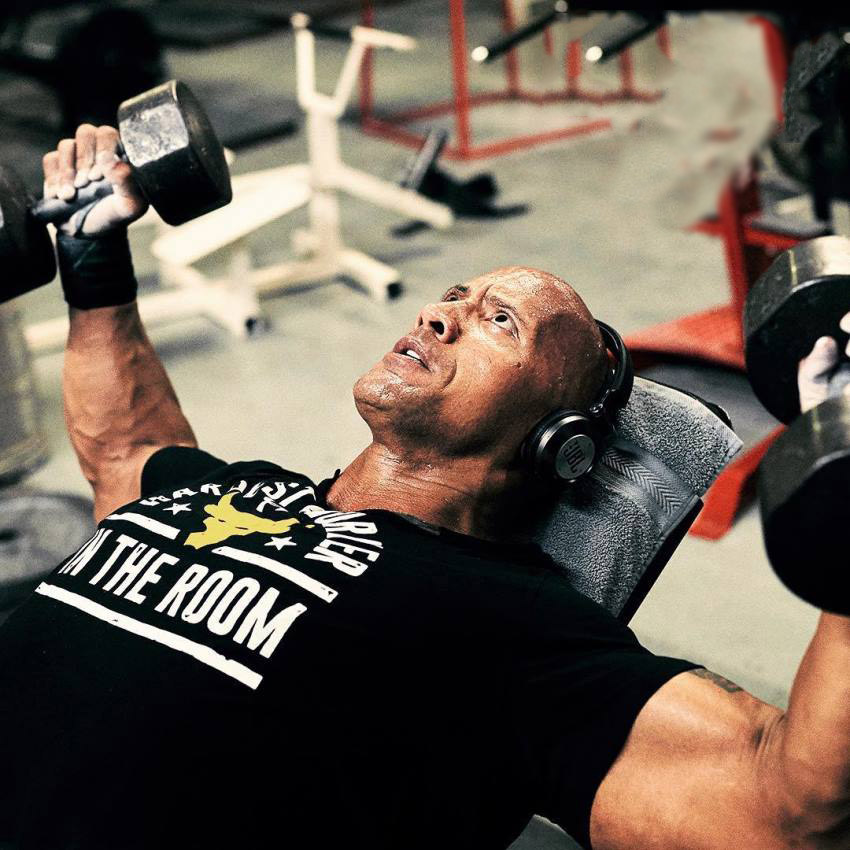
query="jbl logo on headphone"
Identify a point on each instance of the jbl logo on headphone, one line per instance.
(575, 457)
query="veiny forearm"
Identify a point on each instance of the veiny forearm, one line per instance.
(119, 403)
(807, 752)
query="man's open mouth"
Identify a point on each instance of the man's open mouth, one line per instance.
(410, 348)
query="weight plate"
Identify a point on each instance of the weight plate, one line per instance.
(805, 502)
(26, 251)
(177, 158)
(801, 297)
(37, 532)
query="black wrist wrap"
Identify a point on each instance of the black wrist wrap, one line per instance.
(96, 271)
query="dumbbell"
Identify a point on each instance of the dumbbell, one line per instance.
(177, 162)
(804, 478)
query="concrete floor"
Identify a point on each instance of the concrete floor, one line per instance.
(607, 212)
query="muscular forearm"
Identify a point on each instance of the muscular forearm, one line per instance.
(808, 750)
(119, 403)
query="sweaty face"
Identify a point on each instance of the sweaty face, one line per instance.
(483, 364)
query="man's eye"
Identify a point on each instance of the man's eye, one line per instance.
(451, 297)
(504, 320)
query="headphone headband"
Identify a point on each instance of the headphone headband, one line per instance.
(618, 384)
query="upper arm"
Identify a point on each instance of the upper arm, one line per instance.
(692, 773)
(120, 406)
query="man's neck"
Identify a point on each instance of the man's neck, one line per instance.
(466, 495)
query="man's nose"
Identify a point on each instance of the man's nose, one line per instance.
(441, 321)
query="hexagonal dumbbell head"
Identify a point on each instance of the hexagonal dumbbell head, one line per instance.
(176, 157)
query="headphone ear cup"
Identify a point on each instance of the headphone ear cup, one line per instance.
(562, 446)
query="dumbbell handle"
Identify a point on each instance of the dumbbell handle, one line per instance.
(840, 380)
(55, 210)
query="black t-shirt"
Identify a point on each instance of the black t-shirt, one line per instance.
(229, 663)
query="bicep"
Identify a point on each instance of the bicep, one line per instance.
(690, 774)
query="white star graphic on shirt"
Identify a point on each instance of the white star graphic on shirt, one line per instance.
(280, 542)
(176, 509)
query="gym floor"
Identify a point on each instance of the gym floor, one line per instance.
(608, 211)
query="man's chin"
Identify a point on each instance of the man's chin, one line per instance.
(379, 389)
(382, 393)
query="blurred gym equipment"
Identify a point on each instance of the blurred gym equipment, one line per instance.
(523, 20)
(813, 145)
(618, 32)
(207, 23)
(751, 240)
(37, 530)
(262, 197)
(471, 198)
(92, 58)
(23, 445)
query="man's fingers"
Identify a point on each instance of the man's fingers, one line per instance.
(85, 149)
(105, 152)
(126, 203)
(50, 166)
(93, 155)
(66, 149)
(821, 360)
(815, 371)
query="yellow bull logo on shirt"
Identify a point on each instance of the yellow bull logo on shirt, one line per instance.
(226, 521)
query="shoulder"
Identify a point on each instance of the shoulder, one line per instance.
(559, 607)
(176, 467)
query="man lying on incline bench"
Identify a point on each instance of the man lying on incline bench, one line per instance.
(241, 657)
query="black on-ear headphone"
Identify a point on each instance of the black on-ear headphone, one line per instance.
(565, 444)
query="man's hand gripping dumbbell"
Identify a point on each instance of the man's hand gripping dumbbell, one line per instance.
(92, 246)
(91, 156)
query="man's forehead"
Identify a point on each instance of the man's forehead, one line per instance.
(540, 294)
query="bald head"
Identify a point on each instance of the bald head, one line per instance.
(566, 332)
